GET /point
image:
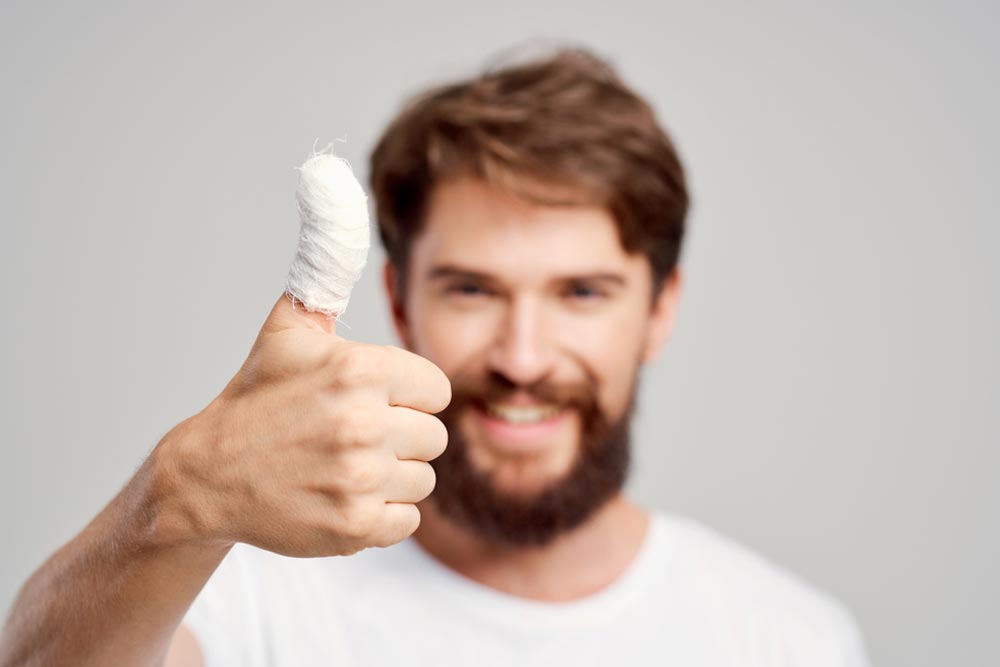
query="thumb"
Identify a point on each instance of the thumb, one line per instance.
(290, 313)
(332, 249)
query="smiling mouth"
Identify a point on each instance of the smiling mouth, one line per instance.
(522, 414)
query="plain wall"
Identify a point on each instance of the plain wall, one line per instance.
(829, 397)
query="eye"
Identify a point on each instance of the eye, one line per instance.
(466, 289)
(584, 292)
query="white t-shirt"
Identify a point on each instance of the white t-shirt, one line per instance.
(690, 598)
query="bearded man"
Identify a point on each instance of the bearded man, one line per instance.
(533, 219)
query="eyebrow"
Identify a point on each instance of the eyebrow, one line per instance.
(451, 271)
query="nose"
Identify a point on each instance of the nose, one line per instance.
(522, 351)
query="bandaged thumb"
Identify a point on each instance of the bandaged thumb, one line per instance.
(333, 239)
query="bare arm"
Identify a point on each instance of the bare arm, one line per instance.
(317, 447)
(115, 593)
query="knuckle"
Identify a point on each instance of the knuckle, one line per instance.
(362, 521)
(349, 529)
(365, 475)
(358, 426)
(358, 365)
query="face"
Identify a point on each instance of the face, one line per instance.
(541, 320)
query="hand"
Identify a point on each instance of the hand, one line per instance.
(317, 447)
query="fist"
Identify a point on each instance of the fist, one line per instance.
(318, 446)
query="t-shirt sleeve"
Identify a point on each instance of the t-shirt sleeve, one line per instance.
(852, 642)
(224, 617)
(837, 642)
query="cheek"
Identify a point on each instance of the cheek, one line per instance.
(449, 338)
(610, 348)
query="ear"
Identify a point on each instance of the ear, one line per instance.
(390, 279)
(661, 322)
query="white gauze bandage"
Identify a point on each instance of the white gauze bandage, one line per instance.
(334, 238)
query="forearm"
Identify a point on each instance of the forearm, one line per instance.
(115, 593)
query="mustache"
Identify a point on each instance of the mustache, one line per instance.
(494, 387)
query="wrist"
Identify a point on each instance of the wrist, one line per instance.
(174, 500)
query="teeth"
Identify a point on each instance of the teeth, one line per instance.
(521, 414)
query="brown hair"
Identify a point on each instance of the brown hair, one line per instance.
(562, 130)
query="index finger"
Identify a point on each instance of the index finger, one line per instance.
(415, 382)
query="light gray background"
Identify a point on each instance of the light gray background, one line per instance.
(829, 397)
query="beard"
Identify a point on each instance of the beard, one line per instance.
(471, 498)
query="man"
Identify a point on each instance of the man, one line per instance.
(533, 220)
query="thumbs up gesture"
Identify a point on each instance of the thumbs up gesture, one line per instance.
(319, 445)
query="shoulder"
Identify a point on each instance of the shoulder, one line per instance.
(754, 597)
(743, 574)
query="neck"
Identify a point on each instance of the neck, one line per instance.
(574, 565)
